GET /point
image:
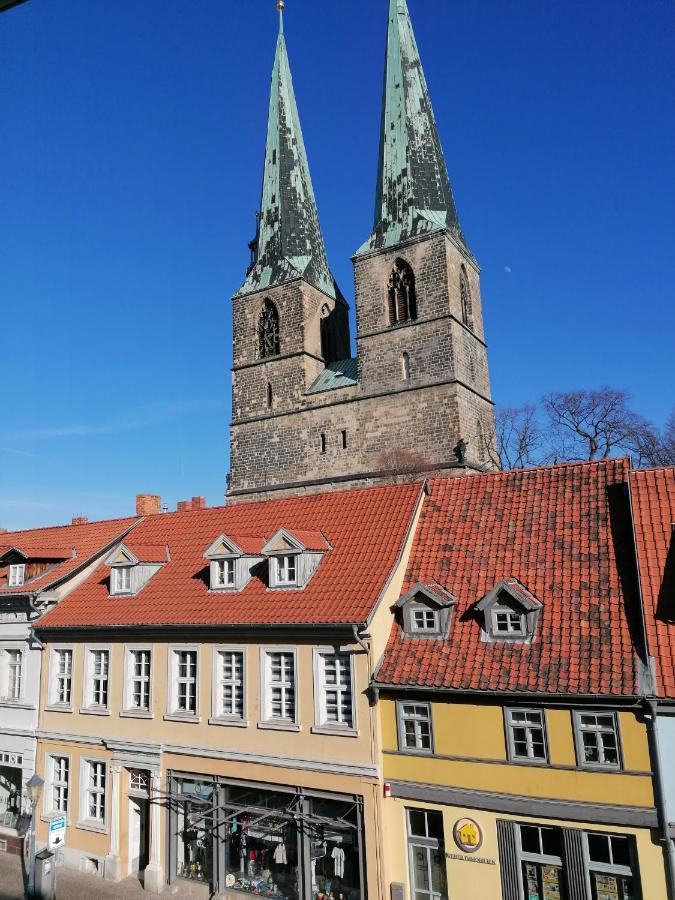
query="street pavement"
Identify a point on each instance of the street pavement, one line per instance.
(71, 885)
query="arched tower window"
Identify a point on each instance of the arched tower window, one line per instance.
(465, 298)
(402, 299)
(405, 366)
(268, 330)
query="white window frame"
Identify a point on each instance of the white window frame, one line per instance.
(510, 740)
(54, 675)
(283, 567)
(130, 651)
(85, 820)
(426, 612)
(49, 808)
(120, 584)
(88, 705)
(17, 575)
(402, 717)
(172, 712)
(580, 730)
(218, 715)
(511, 632)
(221, 567)
(8, 697)
(539, 859)
(612, 869)
(321, 721)
(266, 718)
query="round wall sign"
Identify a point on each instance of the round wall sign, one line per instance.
(468, 835)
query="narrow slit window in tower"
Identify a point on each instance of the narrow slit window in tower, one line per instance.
(402, 299)
(269, 395)
(405, 366)
(344, 439)
(323, 443)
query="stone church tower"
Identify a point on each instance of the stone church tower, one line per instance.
(308, 416)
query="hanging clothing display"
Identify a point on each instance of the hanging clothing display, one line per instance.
(338, 855)
(280, 854)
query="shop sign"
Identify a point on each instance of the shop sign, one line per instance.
(57, 832)
(468, 835)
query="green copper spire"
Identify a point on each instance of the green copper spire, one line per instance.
(413, 190)
(289, 243)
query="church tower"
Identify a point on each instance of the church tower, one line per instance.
(306, 415)
(418, 303)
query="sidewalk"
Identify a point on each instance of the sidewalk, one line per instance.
(72, 885)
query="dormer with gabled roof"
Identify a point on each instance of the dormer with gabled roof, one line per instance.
(510, 612)
(294, 557)
(132, 566)
(20, 565)
(425, 611)
(232, 559)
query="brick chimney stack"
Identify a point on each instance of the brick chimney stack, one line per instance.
(189, 505)
(148, 504)
(79, 520)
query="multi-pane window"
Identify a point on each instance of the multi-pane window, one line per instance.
(286, 569)
(60, 783)
(597, 739)
(121, 579)
(335, 690)
(230, 684)
(63, 676)
(16, 575)
(424, 619)
(139, 675)
(13, 675)
(527, 733)
(507, 623)
(97, 687)
(541, 858)
(138, 780)
(225, 572)
(185, 682)
(611, 866)
(426, 849)
(280, 686)
(414, 726)
(94, 790)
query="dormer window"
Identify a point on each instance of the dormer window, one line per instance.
(425, 611)
(121, 578)
(510, 613)
(286, 569)
(17, 574)
(225, 573)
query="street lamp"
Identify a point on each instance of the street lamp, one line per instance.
(34, 787)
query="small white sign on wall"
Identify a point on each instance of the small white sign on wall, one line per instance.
(57, 832)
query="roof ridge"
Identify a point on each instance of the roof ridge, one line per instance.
(82, 526)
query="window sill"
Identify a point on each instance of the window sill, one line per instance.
(95, 710)
(335, 732)
(234, 723)
(182, 717)
(92, 825)
(135, 714)
(279, 726)
(599, 767)
(59, 707)
(15, 704)
(415, 751)
(517, 761)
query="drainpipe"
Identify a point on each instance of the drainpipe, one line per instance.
(661, 806)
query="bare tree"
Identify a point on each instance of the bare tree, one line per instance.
(657, 448)
(518, 438)
(594, 424)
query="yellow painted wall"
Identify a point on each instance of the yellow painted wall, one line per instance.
(475, 881)
(473, 736)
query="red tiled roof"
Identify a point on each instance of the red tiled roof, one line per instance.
(35, 551)
(310, 540)
(366, 529)
(564, 533)
(653, 498)
(85, 540)
(147, 553)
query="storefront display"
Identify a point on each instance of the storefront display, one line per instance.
(195, 840)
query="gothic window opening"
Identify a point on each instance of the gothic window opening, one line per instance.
(402, 298)
(465, 298)
(268, 331)
(405, 367)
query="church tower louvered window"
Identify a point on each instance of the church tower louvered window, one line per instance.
(465, 297)
(268, 331)
(401, 294)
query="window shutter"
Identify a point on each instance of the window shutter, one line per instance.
(508, 860)
(574, 863)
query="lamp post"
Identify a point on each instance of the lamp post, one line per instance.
(34, 787)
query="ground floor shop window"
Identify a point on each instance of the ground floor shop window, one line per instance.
(10, 796)
(612, 866)
(541, 856)
(271, 842)
(426, 847)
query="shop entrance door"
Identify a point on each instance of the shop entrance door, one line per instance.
(138, 834)
(426, 848)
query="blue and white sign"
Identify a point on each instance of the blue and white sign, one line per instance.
(57, 832)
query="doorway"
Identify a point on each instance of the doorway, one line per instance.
(138, 834)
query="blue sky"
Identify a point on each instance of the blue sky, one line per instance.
(131, 155)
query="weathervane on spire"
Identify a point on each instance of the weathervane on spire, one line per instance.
(281, 5)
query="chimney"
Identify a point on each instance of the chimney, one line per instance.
(79, 520)
(148, 504)
(184, 506)
(199, 502)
